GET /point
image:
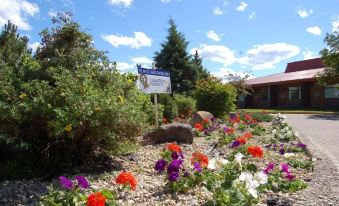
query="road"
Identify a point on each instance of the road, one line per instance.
(321, 130)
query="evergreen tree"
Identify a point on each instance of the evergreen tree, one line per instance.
(174, 57)
(197, 63)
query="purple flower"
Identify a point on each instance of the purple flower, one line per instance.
(290, 176)
(174, 155)
(269, 167)
(174, 166)
(302, 145)
(284, 167)
(197, 167)
(235, 144)
(65, 182)
(282, 151)
(160, 165)
(181, 155)
(186, 174)
(268, 146)
(174, 176)
(82, 182)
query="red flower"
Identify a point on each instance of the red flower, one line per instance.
(205, 121)
(247, 117)
(173, 147)
(96, 199)
(248, 135)
(126, 178)
(255, 151)
(230, 131)
(242, 140)
(201, 158)
(164, 120)
(199, 127)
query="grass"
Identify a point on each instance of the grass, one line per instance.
(293, 111)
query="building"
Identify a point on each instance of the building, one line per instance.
(297, 87)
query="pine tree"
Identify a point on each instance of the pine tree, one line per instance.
(197, 63)
(174, 57)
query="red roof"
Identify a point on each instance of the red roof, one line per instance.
(304, 65)
(305, 75)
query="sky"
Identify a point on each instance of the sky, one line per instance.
(256, 36)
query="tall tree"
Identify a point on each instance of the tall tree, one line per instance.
(197, 64)
(174, 57)
(330, 57)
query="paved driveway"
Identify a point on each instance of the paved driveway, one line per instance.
(321, 130)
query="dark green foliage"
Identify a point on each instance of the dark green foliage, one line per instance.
(258, 130)
(186, 104)
(262, 117)
(330, 58)
(65, 103)
(174, 57)
(197, 64)
(214, 96)
(170, 107)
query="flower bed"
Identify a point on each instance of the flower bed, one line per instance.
(247, 163)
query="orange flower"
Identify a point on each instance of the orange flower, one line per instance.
(199, 127)
(201, 158)
(205, 121)
(173, 147)
(242, 140)
(126, 178)
(96, 199)
(248, 135)
(255, 151)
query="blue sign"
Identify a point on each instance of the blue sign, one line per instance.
(154, 72)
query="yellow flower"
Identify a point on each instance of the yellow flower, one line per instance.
(129, 81)
(97, 109)
(121, 98)
(68, 128)
(23, 96)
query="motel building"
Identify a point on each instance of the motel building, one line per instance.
(297, 87)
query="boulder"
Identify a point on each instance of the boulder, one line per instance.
(200, 116)
(177, 132)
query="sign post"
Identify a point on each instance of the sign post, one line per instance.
(154, 81)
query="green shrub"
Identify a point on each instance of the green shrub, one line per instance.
(169, 105)
(214, 96)
(262, 117)
(66, 103)
(186, 105)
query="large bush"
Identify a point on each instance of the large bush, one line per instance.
(170, 108)
(66, 103)
(186, 104)
(214, 96)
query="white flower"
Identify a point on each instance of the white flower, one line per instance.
(261, 177)
(287, 155)
(274, 131)
(238, 158)
(216, 163)
(296, 134)
(250, 184)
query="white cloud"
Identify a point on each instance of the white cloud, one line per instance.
(52, 13)
(252, 15)
(223, 72)
(212, 35)
(142, 60)
(122, 3)
(242, 6)
(140, 39)
(216, 53)
(165, 1)
(217, 12)
(309, 54)
(315, 30)
(17, 11)
(265, 56)
(34, 46)
(303, 13)
(122, 66)
(335, 24)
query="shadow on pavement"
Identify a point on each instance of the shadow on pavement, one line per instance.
(324, 117)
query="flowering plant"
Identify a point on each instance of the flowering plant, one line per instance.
(127, 180)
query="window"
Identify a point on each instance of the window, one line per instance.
(294, 93)
(332, 91)
(265, 94)
(241, 98)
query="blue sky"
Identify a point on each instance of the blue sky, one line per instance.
(260, 36)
